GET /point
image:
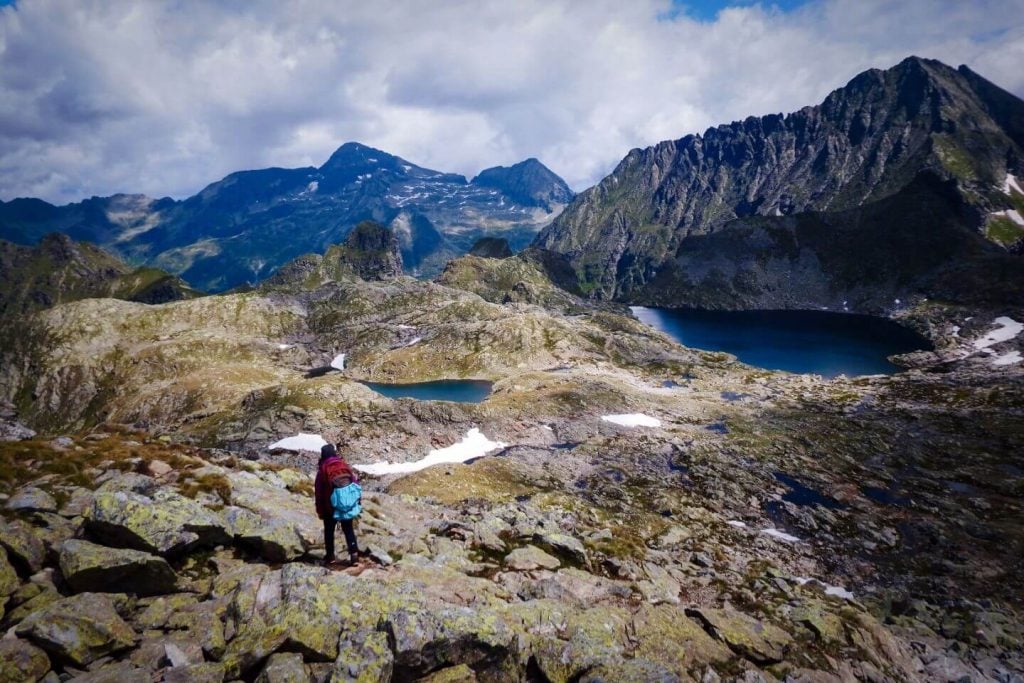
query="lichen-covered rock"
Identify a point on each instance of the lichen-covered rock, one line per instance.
(363, 657)
(425, 639)
(633, 670)
(202, 623)
(90, 567)
(207, 672)
(23, 544)
(166, 523)
(590, 638)
(460, 673)
(284, 667)
(664, 634)
(8, 577)
(32, 498)
(21, 661)
(80, 629)
(564, 543)
(530, 557)
(760, 642)
(117, 672)
(275, 540)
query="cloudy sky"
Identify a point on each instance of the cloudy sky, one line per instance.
(107, 96)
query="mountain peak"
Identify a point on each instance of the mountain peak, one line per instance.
(528, 182)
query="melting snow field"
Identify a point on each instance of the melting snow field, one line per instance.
(473, 445)
(300, 442)
(1008, 329)
(632, 420)
(339, 362)
(1008, 358)
(737, 523)
(283, 347)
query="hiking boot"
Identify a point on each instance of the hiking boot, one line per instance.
(353, 558)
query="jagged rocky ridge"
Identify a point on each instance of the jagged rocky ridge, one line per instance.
(900, 185)
(584, 550)
(58, 270)
(242, 228)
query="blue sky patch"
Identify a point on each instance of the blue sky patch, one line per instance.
(707, 10)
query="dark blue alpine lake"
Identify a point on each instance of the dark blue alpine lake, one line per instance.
(817, 342)
(458, 390)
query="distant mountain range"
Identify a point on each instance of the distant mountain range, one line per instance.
(240, 229)
(905, 183)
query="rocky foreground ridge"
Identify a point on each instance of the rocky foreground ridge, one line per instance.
(652, 513)
(904, 185)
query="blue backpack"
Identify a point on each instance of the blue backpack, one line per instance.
(345, 501)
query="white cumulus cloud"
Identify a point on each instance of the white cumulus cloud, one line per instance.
(165, 97)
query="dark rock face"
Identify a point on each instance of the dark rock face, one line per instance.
(59, 269)
(677, 222)
(491, 247)
(371, 251)
(529, 182)
(240, 229)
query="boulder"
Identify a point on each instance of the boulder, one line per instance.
(23, 544)
(31, 499)
(590, 638)
(201, 623)
(117, 672)
(664, 634)
(284, 667)
(166, 523)
(425, 639)
(21, 661)
(8, 577)
(760, 642)
(208, 672)
(530, 557)
(79, 629)
(564, 543)
(634, 670)
(90, 567)
(364, 656)
(275, 540)
(460, 673)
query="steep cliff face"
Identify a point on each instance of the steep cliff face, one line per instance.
(642, 234)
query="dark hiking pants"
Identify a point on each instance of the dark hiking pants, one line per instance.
(346, 528)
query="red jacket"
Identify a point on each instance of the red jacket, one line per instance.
(332, 472)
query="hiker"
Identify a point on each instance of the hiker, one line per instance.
(335, 476)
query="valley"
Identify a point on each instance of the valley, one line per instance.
(554, 489)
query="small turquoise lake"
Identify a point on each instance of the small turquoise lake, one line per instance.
(458, 390)
(818, 342)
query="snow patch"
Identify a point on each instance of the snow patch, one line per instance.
(632, 420)
(313, 187)
(954, 331)
(406, 327)
(473, 445)
(339, 362)
(547, 428)
(837, 591)
(284, 347)
(1008, 358)
(415, 340)
(737, 523)
(781, 535)
(1008, 329)
(1012, 214)
(1011, 184)
(300, 442)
